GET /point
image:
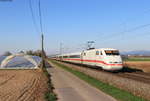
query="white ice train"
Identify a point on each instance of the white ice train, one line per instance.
(106, 58)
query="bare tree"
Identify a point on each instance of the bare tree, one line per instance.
(22, 52)
(7, 53)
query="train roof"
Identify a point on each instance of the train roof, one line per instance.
(76, 53)
(108, 49)
(101, 49)
(79, 53)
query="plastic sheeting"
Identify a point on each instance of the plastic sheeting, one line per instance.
(20, 62)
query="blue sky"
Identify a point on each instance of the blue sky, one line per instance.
(73, 23)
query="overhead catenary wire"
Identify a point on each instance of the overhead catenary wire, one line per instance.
(134, 28)
(112, 36)
(126, 31)
(107, 38)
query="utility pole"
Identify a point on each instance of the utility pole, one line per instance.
(43, 52)
(60, 48)
(42, 41)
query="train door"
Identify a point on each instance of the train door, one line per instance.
(99, 58)
(81, 57)
(88, 59)
(92, 58)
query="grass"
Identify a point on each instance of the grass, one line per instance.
(49, 95)
(137, 59)
(117, 93)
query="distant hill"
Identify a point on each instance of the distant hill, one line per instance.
(140, 52)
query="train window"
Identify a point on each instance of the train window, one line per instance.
(97, 52)
(112, 52)
(74, 56)
(84, 54)
(101, 53)
(65, 56)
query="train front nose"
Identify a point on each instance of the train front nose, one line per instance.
(113, 63)
(114, 67)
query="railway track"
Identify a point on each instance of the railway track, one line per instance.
(133, 74)
(136, 76)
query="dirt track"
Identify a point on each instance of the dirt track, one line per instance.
(70, 88)
(143, 65)
(22, 85)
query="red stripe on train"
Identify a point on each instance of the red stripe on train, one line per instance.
(95, 61)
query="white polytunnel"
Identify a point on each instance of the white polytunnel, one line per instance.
(20, 61)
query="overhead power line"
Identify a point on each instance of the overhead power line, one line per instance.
(33, 17)
(40, 31)
(40, 16)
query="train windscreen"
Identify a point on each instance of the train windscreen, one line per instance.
(112, 52)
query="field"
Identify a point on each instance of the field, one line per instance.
(138, 62)
(143, 65)
(138, 59)
(22, 85)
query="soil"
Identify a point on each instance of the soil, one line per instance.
(22, 85)
(143, 65)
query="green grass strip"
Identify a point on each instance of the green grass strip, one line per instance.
(137, 59)
(117, 93)
(49, 95)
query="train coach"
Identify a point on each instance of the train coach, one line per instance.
(106, 58)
